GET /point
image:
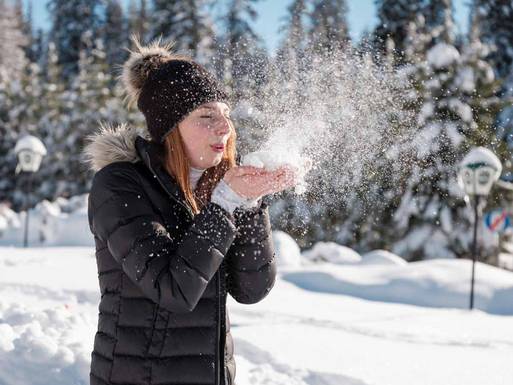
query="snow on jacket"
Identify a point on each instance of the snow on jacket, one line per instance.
(164, 273)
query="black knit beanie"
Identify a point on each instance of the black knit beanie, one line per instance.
(167, 87)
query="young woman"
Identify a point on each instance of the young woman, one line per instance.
(177, 225)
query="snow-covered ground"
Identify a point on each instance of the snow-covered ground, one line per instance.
(343, 322)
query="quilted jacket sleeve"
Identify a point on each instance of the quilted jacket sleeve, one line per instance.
(251, 266)
(173, 276)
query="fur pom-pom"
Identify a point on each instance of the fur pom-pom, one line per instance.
(142, 60)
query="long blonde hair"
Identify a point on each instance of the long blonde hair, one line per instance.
(177, 165)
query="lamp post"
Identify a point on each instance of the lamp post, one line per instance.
(479, 169)
(30, 151)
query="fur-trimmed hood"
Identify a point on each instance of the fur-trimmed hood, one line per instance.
(112, 144)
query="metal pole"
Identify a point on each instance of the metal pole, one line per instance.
(474, 249)
(27, 207)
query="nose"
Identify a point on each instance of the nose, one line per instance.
(223, 126)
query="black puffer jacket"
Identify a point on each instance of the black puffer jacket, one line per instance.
(164, 274)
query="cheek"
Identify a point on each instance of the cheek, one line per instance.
(196, 140)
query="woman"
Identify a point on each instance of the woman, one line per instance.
(177, 225)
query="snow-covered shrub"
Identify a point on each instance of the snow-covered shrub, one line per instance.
(382, 257)
(8, 219)
(287, 251)
(332, 252)
(62, 222)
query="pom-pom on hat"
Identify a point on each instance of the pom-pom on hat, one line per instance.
(166, 86)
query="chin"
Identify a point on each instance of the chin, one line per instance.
(210, 162)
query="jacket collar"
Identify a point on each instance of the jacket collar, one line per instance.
(124, 143)
(148, 154)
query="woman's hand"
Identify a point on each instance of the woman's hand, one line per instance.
(254, 182)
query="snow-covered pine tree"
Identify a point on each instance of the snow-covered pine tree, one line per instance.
(242, 63)
(242, 59)
(12, 67)
(485, 95)
(322, 89)
(87, 102)
(54, 125)
(187, 23)
(315, 71)
(394, 20)
(70, 113)
(295, 30)
(454, 87)
(114, 34)
(384, 191)
(503, 119)
(328, 31)
(24, 19)
(295, 26)
(164, 17)
(73, 22)
(25, 116)
(291, 54)
(495, 21)
(287, 76)
(138, 22)
(39, 48)
(13, 41)
(492, 21)
(440, 20)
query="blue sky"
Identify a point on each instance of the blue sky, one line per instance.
(362, 15)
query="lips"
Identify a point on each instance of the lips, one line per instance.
(218, 147)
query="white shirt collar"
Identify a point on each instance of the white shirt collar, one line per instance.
(195, 175)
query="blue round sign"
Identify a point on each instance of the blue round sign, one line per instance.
(497, 220)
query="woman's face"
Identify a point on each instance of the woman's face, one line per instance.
(205, 132)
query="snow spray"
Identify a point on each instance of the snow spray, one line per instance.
(341, 111)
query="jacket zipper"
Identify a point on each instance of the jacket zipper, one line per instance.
(152, 330)
(218, 339)
(222, 324)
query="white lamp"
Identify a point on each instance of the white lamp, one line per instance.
(30, 151)
(479, 170)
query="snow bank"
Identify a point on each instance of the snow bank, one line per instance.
(48, 308)
(332, 252)
(433, 283)
(382, 257)
(46, 346)
(63, 222)
(505, 260)
(287, 250)
(8, 219)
